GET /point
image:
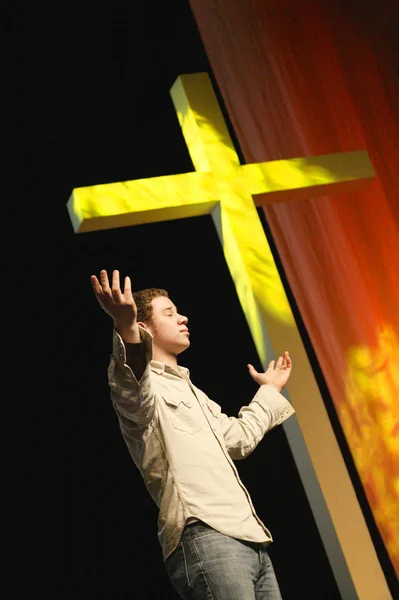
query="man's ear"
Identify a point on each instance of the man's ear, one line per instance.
(145, 326)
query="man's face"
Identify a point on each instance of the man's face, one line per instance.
(168, 327)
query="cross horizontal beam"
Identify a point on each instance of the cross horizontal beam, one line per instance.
(153, 199)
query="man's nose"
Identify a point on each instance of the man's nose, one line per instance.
(183, 319)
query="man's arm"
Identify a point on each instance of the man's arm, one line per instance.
(242, 434)
(130, 380)
(128, 371)
(268, 409)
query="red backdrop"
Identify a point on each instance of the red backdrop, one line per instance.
(317, 77)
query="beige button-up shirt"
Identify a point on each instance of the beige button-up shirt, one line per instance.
(184, 445)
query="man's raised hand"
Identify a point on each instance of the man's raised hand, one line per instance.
(277, 373)
(119, 305)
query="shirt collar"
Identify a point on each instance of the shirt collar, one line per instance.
(160, 367)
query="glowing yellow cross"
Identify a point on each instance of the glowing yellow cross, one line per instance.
(224, 188)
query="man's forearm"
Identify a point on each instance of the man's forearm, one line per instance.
(135, 348)
(135, 358)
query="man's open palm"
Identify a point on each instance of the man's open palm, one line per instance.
(277, 372)
(119, 305)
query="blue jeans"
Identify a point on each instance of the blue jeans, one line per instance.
(208, 565)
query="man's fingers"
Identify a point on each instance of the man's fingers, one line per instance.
(128, 285)
(116, 289)
(279, 363)
(95, 284)
(105, 291)
(115, 280)
(104, 279)
(127, 289)
(98, 290)
(288, 361)
(111, 294)
(253, 372)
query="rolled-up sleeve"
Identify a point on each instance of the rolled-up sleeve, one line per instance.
(132, 398)
(268, 409)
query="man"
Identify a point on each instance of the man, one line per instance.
(213, 543)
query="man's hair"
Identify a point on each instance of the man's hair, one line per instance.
(143, 299)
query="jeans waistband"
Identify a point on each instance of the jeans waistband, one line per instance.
(255, 545)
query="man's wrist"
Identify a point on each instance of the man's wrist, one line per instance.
(275, 385)
(129, 333)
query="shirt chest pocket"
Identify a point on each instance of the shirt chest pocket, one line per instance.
(182, 413)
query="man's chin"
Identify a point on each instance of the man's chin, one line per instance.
(183, 347)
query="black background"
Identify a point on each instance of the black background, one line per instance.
(76, 511)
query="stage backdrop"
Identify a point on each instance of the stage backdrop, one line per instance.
(316, 77)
